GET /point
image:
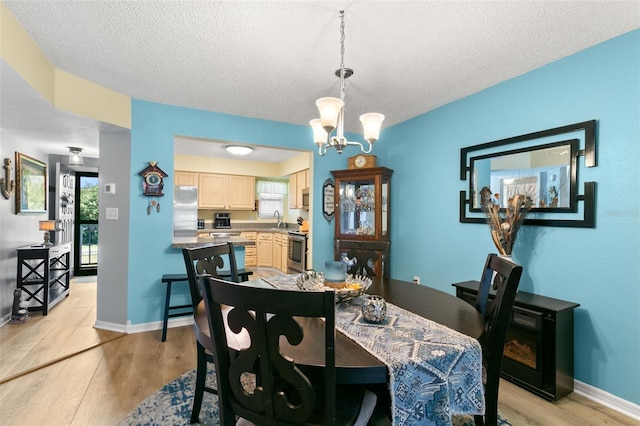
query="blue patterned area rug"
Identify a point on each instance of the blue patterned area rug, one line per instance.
(171, 406)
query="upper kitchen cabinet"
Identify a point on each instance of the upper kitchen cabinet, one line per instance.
(185, 178)
(297, 182)
(226, 192)
(362, 203)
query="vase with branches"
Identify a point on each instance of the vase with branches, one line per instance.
(504, 222)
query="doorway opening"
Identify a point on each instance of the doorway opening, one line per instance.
(86, 224)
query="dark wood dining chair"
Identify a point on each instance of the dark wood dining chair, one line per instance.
(205, 261)
(500, 278)
(371, 257)
(281, 392)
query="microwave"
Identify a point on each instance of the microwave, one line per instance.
(305, 199)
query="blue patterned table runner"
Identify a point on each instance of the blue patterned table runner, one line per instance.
(435, 371)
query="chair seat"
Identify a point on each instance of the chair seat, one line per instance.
(201, 327)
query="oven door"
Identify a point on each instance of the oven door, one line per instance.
(297, 253)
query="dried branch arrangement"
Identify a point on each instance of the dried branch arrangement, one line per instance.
(504, 222)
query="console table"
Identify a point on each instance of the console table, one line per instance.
(538, 354)
(44, 274)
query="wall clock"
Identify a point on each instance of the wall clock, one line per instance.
(152, 184)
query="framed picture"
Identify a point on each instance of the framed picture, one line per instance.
(31, 185)
(328, 191)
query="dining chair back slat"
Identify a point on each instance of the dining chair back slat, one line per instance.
(256, 382)
(199, 262)
(370, 258)
(501, 278)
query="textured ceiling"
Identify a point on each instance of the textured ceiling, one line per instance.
(273, 59)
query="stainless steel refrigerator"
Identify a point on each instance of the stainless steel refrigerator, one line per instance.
(185, 211)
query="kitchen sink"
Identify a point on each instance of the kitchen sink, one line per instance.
(223, 234)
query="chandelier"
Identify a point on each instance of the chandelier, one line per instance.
(332, 115)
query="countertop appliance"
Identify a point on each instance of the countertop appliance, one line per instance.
(305, 199)
(185, 211)
(222, 221)
(297, 255)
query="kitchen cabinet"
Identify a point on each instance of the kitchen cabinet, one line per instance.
(226, 192)
(297, 182)
(250, 252)
(361, 202)
(277, 251)
(265, 249)
(284, 253)
(185, 178)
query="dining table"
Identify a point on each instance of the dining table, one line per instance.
(426, 351)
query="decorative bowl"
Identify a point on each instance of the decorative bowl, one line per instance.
(348, 289)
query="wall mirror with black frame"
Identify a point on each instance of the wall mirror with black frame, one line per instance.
(543, 166)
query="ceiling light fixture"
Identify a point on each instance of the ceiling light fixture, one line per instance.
(75, 156)
(239, 149)
(332, 115)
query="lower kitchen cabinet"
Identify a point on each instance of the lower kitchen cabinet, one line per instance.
(250, 252)
(277, 251)
(265, 249)
(284, 253)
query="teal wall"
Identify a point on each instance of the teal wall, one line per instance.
(152, 139)
(598, 268)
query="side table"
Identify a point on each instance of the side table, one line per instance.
(44, 274)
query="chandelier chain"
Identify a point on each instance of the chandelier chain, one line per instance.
(342, 39)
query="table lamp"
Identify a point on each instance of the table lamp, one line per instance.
(46, 226)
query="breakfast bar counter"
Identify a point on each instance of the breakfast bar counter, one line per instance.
(188, 242)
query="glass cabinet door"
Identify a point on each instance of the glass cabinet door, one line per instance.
(361, 201)
(357, 207)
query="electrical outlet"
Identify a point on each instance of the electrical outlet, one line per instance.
(416, 280)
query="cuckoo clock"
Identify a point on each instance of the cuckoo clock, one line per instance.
(152, 184)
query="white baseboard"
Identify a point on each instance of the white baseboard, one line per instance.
(608, 400)
(141, 328)
(5, 320)
(110, 326)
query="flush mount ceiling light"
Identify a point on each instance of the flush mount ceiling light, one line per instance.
(75, 156)
(332, 115)
(239, 149)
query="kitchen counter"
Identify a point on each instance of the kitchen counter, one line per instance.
(188, 242)
(248, 229)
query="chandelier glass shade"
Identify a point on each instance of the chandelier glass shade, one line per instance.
(332, 115)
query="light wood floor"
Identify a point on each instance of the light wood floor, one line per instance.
(102, 385)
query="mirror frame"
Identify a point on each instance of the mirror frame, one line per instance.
(532, 141)
(29, 169)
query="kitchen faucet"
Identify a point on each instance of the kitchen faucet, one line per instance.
(277, 213)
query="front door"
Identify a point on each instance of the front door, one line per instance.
(86, 224)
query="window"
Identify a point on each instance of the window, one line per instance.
(271, 197)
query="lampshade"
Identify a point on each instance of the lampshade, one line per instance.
(75, 156)
(47, 225)
(239, 149)
(319, 134)
(371, 123)
(329, 110)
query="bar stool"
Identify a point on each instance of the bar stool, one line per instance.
(181, 310)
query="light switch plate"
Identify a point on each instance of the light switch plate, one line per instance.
(110, 188)
(112, 213)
